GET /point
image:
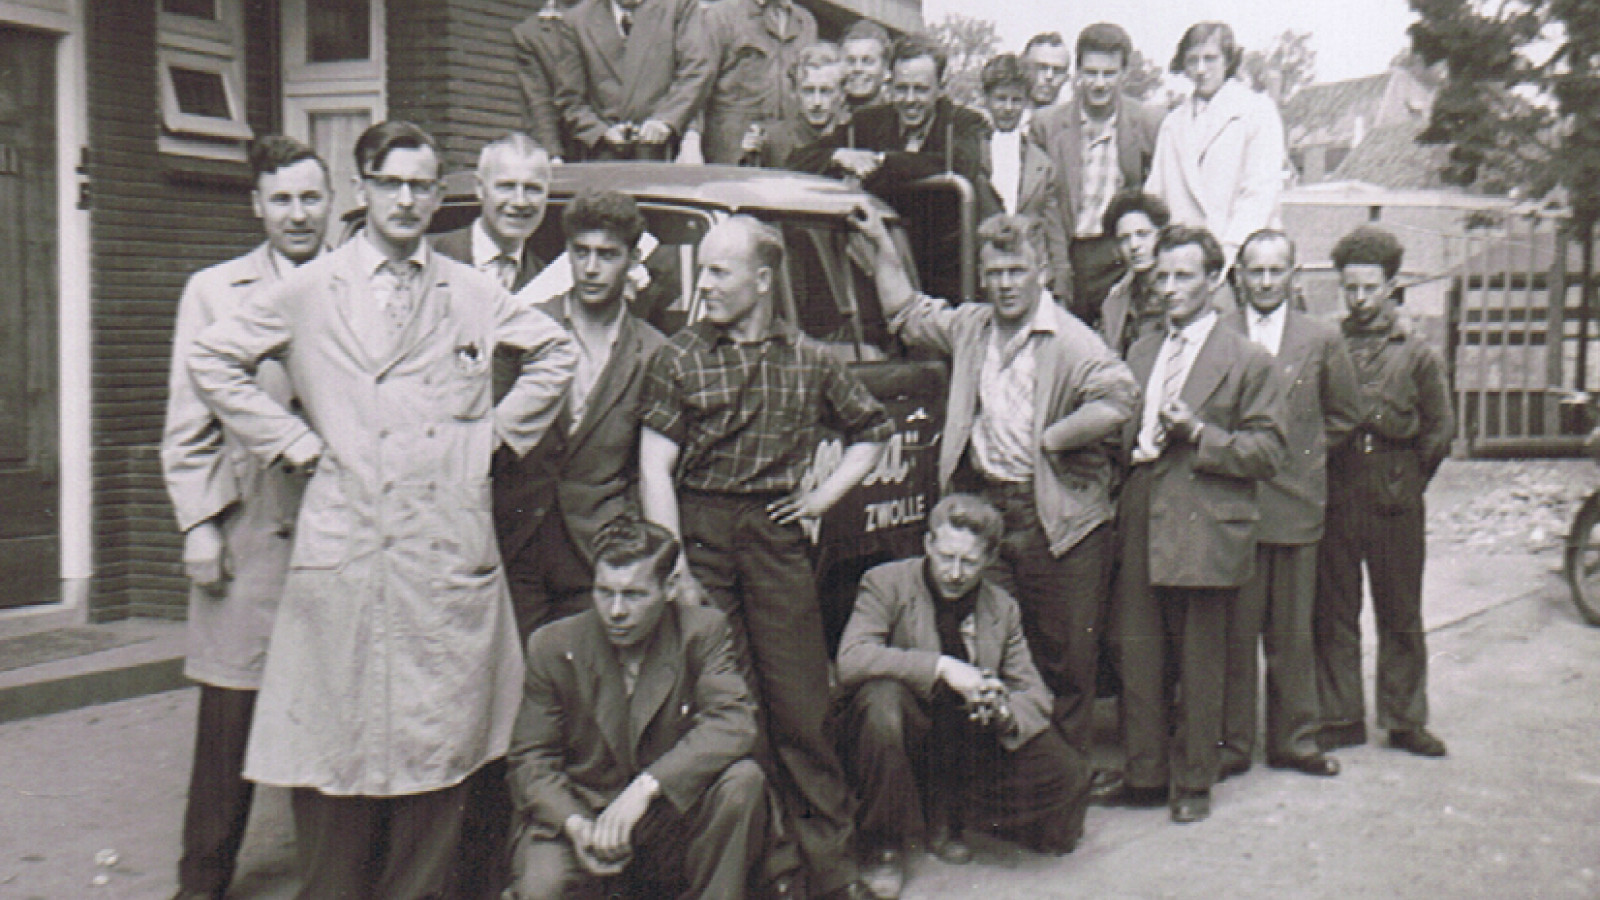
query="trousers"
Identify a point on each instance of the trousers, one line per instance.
(219, 798)
(1274, 610)
(377, 848)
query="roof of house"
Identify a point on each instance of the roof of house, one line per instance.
(1390, 156)
(1326, 113)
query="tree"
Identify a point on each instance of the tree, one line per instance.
(1520, 104)
(969, 43)
(1144, 77)
(1287, 66)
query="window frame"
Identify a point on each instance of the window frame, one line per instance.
(215, 47)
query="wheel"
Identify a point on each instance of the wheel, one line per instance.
(1583, 559)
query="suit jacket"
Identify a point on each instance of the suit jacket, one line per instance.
(1224, 168)
(955, 142)
(1058, 132)
(211, 476)
(1203, 509)
(395, 666)
(580, 739)
(457, 245)
(1072, 490)
(1114, 312)
(751, 63)
(1322, 405)
(892, 634)
(661, 71)
(536, 43)
(588, 475)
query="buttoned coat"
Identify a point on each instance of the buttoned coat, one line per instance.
(396, 667)
(580, 738)
(1223, 168)
(1203, 507)
(893, 633)
(1058, 132)
(210, 476)
(536, 44)
(457, 245)
(587, 474)
(662, 70)
(1075, 367)
(1322, 406)
(752, 63)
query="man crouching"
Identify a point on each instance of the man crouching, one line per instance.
(629, 759)
(947, 700)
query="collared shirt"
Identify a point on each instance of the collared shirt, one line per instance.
(747, 416)
(1002, 433)
(488, 258)
(915, 138)
(1151, 438)
(1005, 158)
(283, 265)
(1267, 330)
(1102, 177)
(592, 359)
(384, 282)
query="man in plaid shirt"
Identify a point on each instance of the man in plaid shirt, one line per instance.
(733, 407)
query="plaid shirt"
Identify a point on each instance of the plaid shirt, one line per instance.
(1102, 177)
(747, 417)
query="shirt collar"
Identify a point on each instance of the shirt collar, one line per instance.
(1272, 318)
(283, 265)
(1098, 128)
(780, 329)
(483, 246)
(371, 257)
(1200, 328)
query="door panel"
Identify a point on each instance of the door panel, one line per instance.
(29, 497)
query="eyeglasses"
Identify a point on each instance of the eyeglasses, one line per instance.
(389, 184)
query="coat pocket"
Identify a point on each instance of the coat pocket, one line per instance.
(322, 532)
(467, 390)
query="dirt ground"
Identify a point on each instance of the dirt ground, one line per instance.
(1513, 812)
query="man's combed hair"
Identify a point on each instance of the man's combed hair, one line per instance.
(1013, 233)
(514, 142)
(1104, 37)
(1174, 236)
(1369, 246)
(767, 240)
(1261, 235)
(613, 212)
(916, 46)
(1004, 70)
(374, 145)
(272, 152)
(1044, 39)
(1135, 201)
(969, 513)
(864, 30)
(628, 539)
(1232, 53)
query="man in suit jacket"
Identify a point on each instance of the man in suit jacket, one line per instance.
(237, 515)
(536, 41)
(395, 671)
(630, 758)
(948, 705)
(1099, 143)
(550, 504)
(513, 186)
(633, 74)
(1210, 427)
(755, 44)
(1321, 406)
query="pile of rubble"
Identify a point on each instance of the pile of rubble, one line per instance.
(1509, 506)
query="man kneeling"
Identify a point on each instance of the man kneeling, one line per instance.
(629, 759)
(947, 700)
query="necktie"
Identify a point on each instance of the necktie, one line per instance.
(1172, 377)
(400, 301)
(505, 268)
(625, 22)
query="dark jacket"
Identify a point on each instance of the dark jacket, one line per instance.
(458, 246)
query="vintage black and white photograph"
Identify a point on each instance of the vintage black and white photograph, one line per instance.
(799, 449)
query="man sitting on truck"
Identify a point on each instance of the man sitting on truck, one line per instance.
(1036, 403)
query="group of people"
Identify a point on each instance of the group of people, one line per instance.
(539, 603)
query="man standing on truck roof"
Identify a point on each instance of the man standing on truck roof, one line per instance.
(1036, 403)
(733, 406)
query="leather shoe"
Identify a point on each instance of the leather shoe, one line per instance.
(1235, 766)
(787, 886)
(1137, 797)
(950, 848)
(1191, 806)
(198, 895)
(1104, 784)
(884, 874)
(1348, 734)
(1310, 764)
(1417, 740)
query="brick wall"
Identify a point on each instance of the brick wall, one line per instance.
(154, 221)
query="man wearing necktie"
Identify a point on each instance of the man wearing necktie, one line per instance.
(513, 188)
(1209, 428)
(1322, 406)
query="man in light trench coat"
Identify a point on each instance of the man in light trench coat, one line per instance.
(397, 673)
(236, 513)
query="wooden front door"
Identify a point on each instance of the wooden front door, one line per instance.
(30, 538)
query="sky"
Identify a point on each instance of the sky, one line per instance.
(1351, 37)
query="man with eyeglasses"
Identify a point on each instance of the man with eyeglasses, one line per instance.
(513, 188)
(397, 673)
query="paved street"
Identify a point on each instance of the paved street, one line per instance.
(1514, 811)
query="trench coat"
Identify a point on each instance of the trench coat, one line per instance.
(396, 668)
(211, 476)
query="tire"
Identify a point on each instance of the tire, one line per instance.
(1583, 559)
